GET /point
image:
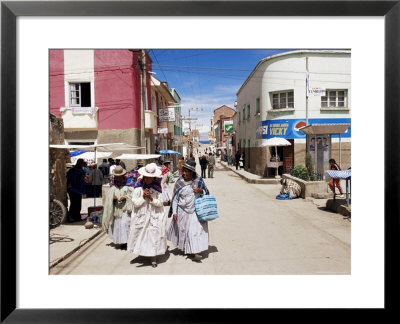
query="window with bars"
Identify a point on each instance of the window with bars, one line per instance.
(79, 94)
(282, 100)
(334, 99)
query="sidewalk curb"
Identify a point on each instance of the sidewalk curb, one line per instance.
(83, 243)
(255, 181)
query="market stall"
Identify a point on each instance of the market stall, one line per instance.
(276, 163)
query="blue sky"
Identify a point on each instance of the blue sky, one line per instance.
(206, 79)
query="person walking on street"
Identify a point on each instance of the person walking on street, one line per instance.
(148, 232)
(211, 164)
(96, 180)
(121, 163)
(165, 173)
(203, 165)
(105, 169)
(76, 179)
(237, 158)
(117, 209)
(241, 161)
(112, 165)
(185, 231)
(181, 162)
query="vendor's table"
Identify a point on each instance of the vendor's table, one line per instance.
(275, 165)
(340, 174)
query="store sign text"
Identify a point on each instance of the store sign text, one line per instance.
(278, 129)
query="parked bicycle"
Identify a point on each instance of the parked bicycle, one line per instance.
(57, 211)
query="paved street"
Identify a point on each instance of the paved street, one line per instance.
(255, 234)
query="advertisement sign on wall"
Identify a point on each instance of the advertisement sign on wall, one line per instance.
(167, 114)
(163, 130)
(289, 128)
(228, 126)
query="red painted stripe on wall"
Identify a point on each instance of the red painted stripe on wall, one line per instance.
(117, 89)
(56, 81)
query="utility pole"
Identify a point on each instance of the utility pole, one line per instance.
(142, 64)
(307, 87)
(190, 119)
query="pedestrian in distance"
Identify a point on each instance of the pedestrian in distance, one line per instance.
(148, 232)
(241, 161)
(203, 165)
(185, 231)
(117, 209)
(112, 165)
(191, 157)
(211, 164)
(165, 173)
(336, 167)
(105, 170)
(121, 163)
(237, 158)
(76, 180)
(181, 162)
(96, 180)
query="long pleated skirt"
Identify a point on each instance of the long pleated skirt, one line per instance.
(188, 234)
(166, 194)
(119, 230)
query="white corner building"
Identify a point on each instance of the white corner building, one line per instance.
(286, 92)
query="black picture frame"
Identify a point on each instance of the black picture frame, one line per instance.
(10, 10)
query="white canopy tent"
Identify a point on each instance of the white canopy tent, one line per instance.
(98, 147)
(276, 141)
(90, 156)
(138, 156)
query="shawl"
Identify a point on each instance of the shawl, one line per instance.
(196, 180)
(164, 169)
(131, 178)
(114, 209)
(156, 184)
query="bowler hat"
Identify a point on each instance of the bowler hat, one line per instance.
(119, 171)
(190, 165)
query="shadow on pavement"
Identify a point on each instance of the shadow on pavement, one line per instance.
(146, 261)
(81, 222)
(327, 210)
(117, 246)
(211, 249)
(55, 238)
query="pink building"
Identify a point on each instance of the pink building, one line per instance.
(103, 96)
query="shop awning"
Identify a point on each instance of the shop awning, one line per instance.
(138, 156)
(317, 129)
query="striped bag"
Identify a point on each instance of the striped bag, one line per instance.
(206, 208)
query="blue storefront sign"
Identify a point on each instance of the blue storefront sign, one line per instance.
(289, 128)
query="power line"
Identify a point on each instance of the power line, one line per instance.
(159, 65)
